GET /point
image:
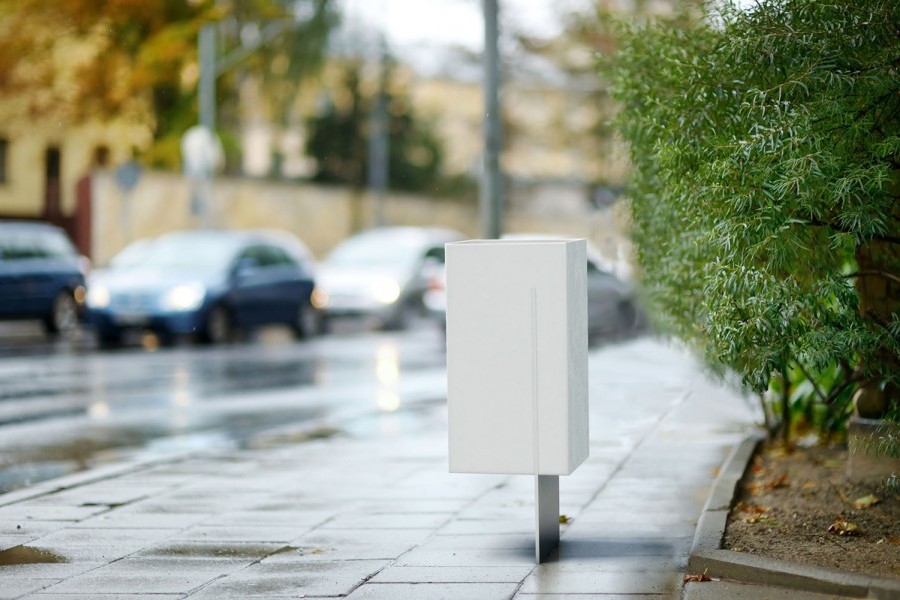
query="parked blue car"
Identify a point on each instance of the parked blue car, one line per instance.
(42, 276)
(205, 283)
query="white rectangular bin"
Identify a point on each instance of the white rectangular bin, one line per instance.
(517, 356)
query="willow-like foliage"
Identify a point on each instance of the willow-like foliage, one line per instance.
(765, 144)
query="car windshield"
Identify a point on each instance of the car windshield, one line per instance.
(202, 253)
(131, 255)
(377, 251)
(19, 244)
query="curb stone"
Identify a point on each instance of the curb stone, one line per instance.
(708, 556)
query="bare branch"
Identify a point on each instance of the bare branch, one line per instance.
(840, 228)
(812, 380)
(873, 273)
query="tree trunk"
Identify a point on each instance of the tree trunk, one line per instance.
(878, 286)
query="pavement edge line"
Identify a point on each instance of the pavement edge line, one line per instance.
(93, 475)
(708, 556)
(100, 473)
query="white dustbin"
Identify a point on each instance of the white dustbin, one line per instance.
(517, 364)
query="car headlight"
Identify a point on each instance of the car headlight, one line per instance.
(319, 298)
(184, 297)
(385, 291)
(98, 296)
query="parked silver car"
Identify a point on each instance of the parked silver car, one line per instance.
(380, 274)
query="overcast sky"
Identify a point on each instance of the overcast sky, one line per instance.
(455, 22)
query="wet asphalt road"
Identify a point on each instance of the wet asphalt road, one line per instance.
(67, 406)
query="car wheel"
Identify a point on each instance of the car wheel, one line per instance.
(323, 324)
(219, 326)
(64, 316)
(627, 318)
(402, 319)
(307, 322)
(109, 339)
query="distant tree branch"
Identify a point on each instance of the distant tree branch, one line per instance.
(874, 273)
(812, 380)
(878, 320)
(839, 389)
(891, 239)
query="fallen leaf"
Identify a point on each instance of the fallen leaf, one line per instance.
(781, 452)
(752, 520)
(892, 539)
(866, 501)
(842, 526)
(699, 578)
(755, 512)
(757, 466)
(781, 481)
(564, 520)
(810, 485)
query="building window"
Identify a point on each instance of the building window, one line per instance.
(4, 145)
(101, 156)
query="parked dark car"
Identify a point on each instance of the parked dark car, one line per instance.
(42, 275)
(381, 274)
(612, 306)
(206, 283)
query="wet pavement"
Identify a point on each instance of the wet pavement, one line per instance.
(359, 504)
(65, 410)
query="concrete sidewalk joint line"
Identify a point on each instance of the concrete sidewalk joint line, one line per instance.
(373, 514)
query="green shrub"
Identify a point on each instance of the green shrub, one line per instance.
(765, 145)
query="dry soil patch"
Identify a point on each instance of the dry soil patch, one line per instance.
(799, 506)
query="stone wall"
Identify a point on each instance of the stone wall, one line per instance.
(322, 216)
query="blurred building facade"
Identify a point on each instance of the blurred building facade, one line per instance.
(322, 216)
(43, 168)
(555, 182)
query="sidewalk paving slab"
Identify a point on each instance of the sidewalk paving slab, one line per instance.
(371, 512)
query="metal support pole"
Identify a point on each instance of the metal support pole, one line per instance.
(546, 513)
(207, 91)
(492, 179)
(202, 192)
(379, 142)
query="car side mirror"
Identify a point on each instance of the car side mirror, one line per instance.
(245, 267)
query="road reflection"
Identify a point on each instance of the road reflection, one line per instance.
(61, 413)
(387, 373)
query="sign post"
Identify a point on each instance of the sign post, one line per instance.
(517, 365)
(202, 154)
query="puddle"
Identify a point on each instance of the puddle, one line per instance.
(25, 555)
(27, 473)
(276, 438)
(188, 550)
(104, 444)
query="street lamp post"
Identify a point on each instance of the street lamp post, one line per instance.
(208, 75)
(379, 140)
(491, 197)
(211, 66)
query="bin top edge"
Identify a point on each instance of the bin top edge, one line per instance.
(515, 242)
